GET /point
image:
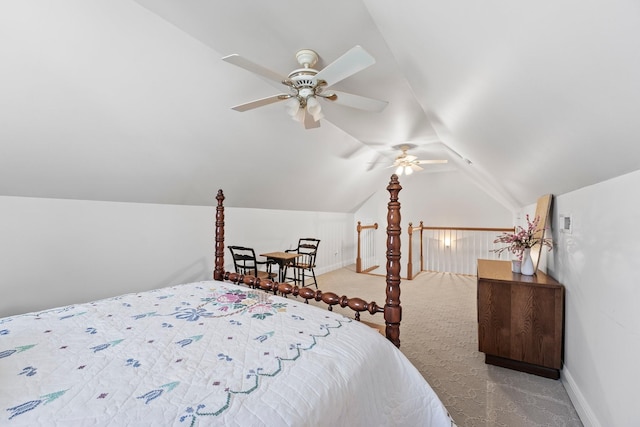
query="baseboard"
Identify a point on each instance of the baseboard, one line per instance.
(583, 409)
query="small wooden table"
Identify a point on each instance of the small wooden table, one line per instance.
(282, 258)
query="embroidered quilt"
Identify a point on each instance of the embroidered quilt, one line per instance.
(206, 353)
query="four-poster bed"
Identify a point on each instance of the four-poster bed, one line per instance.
(218, 353)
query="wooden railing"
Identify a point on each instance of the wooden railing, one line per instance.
(369, 248)
(413, 229)
(452, 249)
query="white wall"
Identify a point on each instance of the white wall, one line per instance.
(597, 263)
(438, 199)
(58, 252)
(275, 230)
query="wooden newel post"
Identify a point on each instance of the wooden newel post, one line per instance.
(218, 270)
(358, 258)
(392, 308)
(421, 246)
(410, 262)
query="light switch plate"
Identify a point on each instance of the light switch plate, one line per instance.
(566, 223)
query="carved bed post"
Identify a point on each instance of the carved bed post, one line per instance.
(218, 271)
(392, 308)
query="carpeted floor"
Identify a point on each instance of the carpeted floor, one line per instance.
(439, 335)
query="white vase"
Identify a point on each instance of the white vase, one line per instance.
(526, 267)
(515, 265)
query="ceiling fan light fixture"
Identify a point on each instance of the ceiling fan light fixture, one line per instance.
(292, 105)
(404, 167)
(314, 108)
(299, 116)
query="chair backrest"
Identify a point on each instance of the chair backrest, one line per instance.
(244, 260)
(309, 248)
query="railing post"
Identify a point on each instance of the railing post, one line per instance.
(358, 258)
(410, 261)
(421, 246)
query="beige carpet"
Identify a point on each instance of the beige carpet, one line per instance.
(439, 335)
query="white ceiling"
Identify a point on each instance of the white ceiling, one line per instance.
(130, 101)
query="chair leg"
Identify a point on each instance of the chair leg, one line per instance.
(285, 279)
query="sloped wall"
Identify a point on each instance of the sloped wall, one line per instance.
(57, 252)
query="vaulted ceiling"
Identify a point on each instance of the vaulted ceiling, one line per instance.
(125, 100)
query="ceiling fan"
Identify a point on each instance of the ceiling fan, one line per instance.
(306, 85)
(409, 163)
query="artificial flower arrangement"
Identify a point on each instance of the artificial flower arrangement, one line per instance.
(523, 239)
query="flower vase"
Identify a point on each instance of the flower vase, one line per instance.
(526, 267)
(516, 265)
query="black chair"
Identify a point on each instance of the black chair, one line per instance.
(245, 262)
(304, 265)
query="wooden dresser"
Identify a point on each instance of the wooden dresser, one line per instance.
(520, 319)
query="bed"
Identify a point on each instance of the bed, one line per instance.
(233, 351)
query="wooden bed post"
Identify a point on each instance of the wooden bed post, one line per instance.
(218, 271)
(392, 308)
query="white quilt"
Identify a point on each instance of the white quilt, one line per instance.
(207, 353)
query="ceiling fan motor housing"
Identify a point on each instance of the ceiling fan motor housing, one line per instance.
(303, 81)
(304, 78)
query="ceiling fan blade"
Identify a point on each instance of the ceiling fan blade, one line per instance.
(309, 122)
(354, 60)
(410, 158)
(430, 162)
(248, 65)
(260, 102)
(416, 168)
(359, 102)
